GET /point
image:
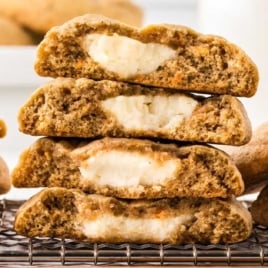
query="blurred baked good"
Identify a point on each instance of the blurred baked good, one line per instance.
(86, 108)
(40, 16)
(259, 208)
(5, 182)
(58, 212)
(129, 168)
(13, 34)
(252, 159)
(3, 128)
(96, 47)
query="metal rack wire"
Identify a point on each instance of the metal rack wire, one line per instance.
(20, 250)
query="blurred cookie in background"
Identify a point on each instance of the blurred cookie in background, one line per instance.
(122, 10)
(40, 16)
(252, 159)
(13, 34)
(5, 182)
(3, 128)
(259, 208)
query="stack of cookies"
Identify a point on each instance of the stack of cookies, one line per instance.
(126, 155)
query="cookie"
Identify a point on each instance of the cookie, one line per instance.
(170, 56)
(89, 109)
(129, 168)
(40, 16)
(13, 34)
(62, 213)
(5, 183)
(259, 208)
(3, 128)
(252, 159)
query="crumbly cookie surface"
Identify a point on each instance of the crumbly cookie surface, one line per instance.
(58, 212)
(84, 108)
(191, 61)
(129, 168)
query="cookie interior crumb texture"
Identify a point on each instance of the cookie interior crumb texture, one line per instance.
(96, 47)
(85, 108)
(129, 168)
(58, 212)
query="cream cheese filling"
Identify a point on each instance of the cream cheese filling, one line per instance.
(134, 228)
(125, 169)
(150, 112)
(126, 56)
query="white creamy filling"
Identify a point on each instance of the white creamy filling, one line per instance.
(123, 169)
(150, 112)
(134, 228)
(125, 56)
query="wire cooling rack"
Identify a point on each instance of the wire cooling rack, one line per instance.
(19, 250)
